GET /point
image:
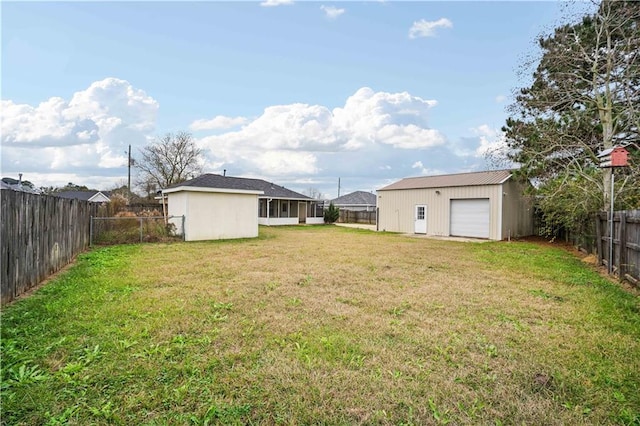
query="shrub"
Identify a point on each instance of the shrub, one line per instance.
(331, 214)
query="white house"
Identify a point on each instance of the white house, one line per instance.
(489, 205)
(225, 207)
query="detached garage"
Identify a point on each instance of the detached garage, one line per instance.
(488, 205)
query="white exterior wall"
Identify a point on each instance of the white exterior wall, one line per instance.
(275, 221)
(214, 216)
(315, 220)
(397, 208)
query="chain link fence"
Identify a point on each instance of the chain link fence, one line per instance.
(136, 229)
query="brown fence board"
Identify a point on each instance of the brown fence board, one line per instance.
(39, 234)
(625, 256)
(357, 216)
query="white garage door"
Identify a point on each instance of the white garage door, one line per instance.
(470, 218)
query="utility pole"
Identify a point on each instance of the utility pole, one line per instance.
(338, 187)
(129, 171)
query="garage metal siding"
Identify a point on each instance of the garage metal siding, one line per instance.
(471, 218)
(397, 208)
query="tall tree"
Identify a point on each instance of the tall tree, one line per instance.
(585, 97)
(171, 159)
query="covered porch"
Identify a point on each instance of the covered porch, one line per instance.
(287, 211)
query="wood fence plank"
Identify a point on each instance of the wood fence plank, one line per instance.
(39, 235)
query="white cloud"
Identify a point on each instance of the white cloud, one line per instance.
(332, 12)
(500, 99)
(273, 3)
(218, 122)
(296, 137)
(424, 28)
(490, 139)
(88, 133)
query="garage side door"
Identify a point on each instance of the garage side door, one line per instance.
(470, 218)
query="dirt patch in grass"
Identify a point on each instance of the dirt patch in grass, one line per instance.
(331, 325)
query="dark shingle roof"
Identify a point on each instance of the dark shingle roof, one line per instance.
(210, 180)
(493, 177)
(80, 195)
(356, 198)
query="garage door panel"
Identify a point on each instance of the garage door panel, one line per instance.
(470, 218)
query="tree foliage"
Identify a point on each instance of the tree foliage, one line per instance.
(171, 159)
(584, 98)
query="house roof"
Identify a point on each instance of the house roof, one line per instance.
(270, 190)
(357, 198)
(17, 185)
(82, 195)
(493, 177)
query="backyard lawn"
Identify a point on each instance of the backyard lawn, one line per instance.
(323, 325)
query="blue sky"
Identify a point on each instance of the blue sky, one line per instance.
(299, 94)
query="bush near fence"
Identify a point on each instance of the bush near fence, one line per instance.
(127, 227)
(39, 234)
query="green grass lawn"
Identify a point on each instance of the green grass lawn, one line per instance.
(323, 325)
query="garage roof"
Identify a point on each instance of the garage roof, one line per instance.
(494, 177)
(210, 180)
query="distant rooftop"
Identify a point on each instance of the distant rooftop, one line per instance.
(81, 195)
(357, 198)
(493, 177)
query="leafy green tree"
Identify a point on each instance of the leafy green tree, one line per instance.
(331, 214)
(585, 97)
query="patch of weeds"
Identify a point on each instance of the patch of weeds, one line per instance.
(219, 306)
(441, 416)
(305, 281)
(25, 374)
(351, 302)
(223, 414)
(398, 311)
(63, 418)
(513, 321)
(294, 301)
(544, 295)
(270, 286)
(91, 354)
(105, 412)
(125, 344)
(472, 410)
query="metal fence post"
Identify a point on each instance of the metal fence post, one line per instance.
(184, 232)
(141, 230)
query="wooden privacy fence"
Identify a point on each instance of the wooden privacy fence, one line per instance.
(357, 216)
(39, 235)
(625, 256)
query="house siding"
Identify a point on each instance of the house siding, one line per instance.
(212, 216)
(396, 208)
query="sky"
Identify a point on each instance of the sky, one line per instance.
(300, 93)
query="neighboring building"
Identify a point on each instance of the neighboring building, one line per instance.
(17, 185)
(90, 196)
(356, 201)
(488, 205)
(224, 207)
